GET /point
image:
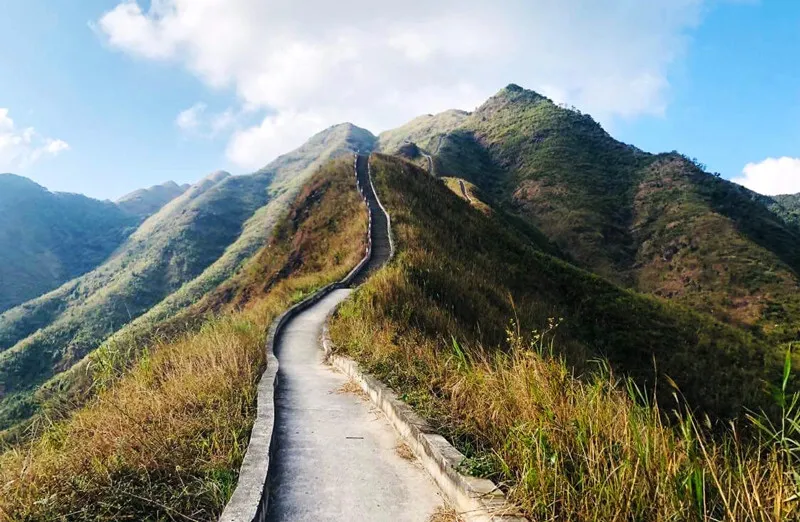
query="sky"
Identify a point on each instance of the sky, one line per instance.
(102, 97)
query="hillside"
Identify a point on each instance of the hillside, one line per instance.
(787, 207)
(49, 238)
(520, 360)
(654, 223)
(193, 244)
(180, 416)
(145, 202)
(465, 269)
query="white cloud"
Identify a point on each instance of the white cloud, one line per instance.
(20, 148)
(198, 121)
(189, 119)
(327, 62)
(254, 147)
(772, 176)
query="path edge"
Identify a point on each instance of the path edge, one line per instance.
(475, 499)
(250, 499)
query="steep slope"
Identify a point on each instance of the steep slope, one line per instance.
(787, 207)
(164, 437)
(521, 360)
(420, 136)
(192, 245)
(145, 202)
(655, 223)
(467, 274)
(49, 238)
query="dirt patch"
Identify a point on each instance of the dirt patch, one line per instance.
(404, 452)
(445, 514)
(353, 388)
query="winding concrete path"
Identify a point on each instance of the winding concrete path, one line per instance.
(334, 456)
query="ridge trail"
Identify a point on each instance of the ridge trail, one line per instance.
(334, 455)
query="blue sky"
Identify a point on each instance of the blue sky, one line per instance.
(93, 90)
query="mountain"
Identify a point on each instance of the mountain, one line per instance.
(545, 375)
(656, 223)
(585, 321)
(145, 202)
(194, 243)
(49, 238)
(786, 206)
(165, 437)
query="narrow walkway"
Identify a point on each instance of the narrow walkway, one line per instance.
(334, 456)
(464, 190)
(381, 247)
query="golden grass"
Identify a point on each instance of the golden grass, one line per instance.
(165, 437)
(444, 514)
(568, 448)
(564, 446)
(404, 452)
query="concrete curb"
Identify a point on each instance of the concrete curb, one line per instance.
(475, 499)
(250, 499)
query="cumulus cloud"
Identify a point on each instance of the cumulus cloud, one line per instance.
(20, 148)
(772, 176)
(326, 62)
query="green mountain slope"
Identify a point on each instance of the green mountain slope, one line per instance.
(461, 274)
(655, 223)
(48, 238)
(424, 132)
(193, 244)
(190, 397)
(145, 202)
(521, 360)
(787, 207)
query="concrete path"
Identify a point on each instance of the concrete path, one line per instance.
(334, 455)
(464, 190)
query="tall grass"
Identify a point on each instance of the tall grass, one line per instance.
(593, 447)
(164, 435)
(567, 434)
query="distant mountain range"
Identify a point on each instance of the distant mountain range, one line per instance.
(193, 243)
(653, 223)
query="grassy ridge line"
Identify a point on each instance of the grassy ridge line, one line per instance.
(434, 325)
(138, 274)
(656, 223)
(183, 242)
(165, 438)
(48, 238)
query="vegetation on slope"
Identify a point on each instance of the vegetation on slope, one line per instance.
(655, 223)
(83, 313)
(424, 131)
(165, 437)
(434, 324)
(48, 238)
(146, 202)
(787, 207)
(50, 334)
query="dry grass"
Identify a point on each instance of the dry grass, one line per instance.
(353, 388)
(165, 437)
(404, 452)
(564, 446)
(445, 514)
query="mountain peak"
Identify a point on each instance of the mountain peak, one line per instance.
(13, 181)
(515, 92)
(217, 176)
